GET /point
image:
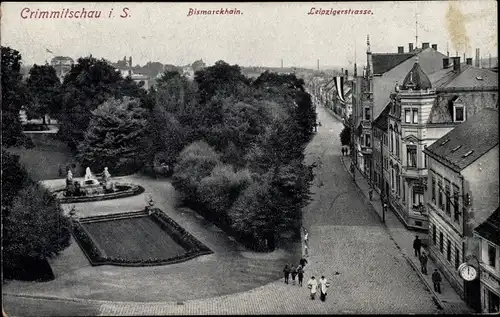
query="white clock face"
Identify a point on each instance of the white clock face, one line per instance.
(468, 273)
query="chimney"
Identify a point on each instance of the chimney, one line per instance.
(410, 47)
(456, 64)
(401, 49)
(469, 61)
(346, 73)
(446, 62)
(342, 71)
(435, 47)
(425, 45)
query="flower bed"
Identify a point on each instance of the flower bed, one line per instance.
(190, 244)
(124, 190)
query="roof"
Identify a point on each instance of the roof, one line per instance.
(416, 79)
(430, 61)
(62, 58)
(468, 141)
(383, 119)
(383, 62)
(468, 77)
(490, 229)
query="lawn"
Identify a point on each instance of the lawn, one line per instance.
(134, 239)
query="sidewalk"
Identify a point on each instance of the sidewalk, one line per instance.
(448, 300)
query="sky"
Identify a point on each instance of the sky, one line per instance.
(262, 35)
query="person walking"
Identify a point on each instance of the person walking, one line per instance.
(306, 237)
(323, 285)
(300, 274)
(423, 263)
(436, 279)
(312, 284)
(303, 262)
(417, 244)
(370, 193)
(286, 270)
(293, 270)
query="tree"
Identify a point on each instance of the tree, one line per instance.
(114, 136)
(14, 97)
(89, 84)
(45, 89)
(345, 136)
(35, 228)
(194, 163)
(221, 78)
(14, 178)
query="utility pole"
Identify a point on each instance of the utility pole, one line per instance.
(416, 30)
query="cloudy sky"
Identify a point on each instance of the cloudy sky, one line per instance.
(262, 35)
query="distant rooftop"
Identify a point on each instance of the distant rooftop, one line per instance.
(490, 229)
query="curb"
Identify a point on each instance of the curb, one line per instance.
(438, 302)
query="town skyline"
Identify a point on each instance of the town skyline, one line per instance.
(459, 27)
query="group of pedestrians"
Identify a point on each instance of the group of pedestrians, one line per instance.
(422, 257)
(295, 271)
(345, 150)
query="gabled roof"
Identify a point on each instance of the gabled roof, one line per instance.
(383, 119)
(416, 79)
(383, 62)
(490, 229)
(468, 141)
(468, 77)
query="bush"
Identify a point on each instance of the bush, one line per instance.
(219, 190)
(35, 228)
(194, 163)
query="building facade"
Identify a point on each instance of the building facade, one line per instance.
(62, 65)
(462, 192)
(488, 236)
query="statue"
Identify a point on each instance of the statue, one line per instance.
(88, 174)
(106, 174)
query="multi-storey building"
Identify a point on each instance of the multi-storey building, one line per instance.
(462, 192)
(371, 92)
(62, 65)
(488, 235)
(424, 109)
(380, 154)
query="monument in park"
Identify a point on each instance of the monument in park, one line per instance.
(90, 184)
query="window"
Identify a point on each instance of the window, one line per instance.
(392, 178)
(456, 208)
(368, 140)
(415, 115)
(425, 160)
(448, 251)
(457, 258)
(418, 195)
(441, 238)
(434, 234)
(459, 113)
(492, 254)
(440, 193)
(447, 197)
(367, 114)
(433, 189)
(407, 116)
(411, 155)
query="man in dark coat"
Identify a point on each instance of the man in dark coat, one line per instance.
(287, 271)
(303, 262)
(417, 244)
(436, 279)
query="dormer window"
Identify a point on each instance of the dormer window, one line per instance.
(456, 148)
(468, 153)
(458, 113)
(445, 141)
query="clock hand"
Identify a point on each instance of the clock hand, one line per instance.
(468, 270)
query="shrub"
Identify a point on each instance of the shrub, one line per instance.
(219, 190)
(195, 162)
(35, 228)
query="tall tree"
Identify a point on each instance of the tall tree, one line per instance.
(14, 97)
(114, 137)
(89, 84)
(14, 178)
(45, 89)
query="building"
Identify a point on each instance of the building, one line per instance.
(424, 109)
(62, 65)
(380, 153)
(488, 235)
(373, 90)
(462, 192)
(140, 79)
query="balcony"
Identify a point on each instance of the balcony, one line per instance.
(413, 172)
